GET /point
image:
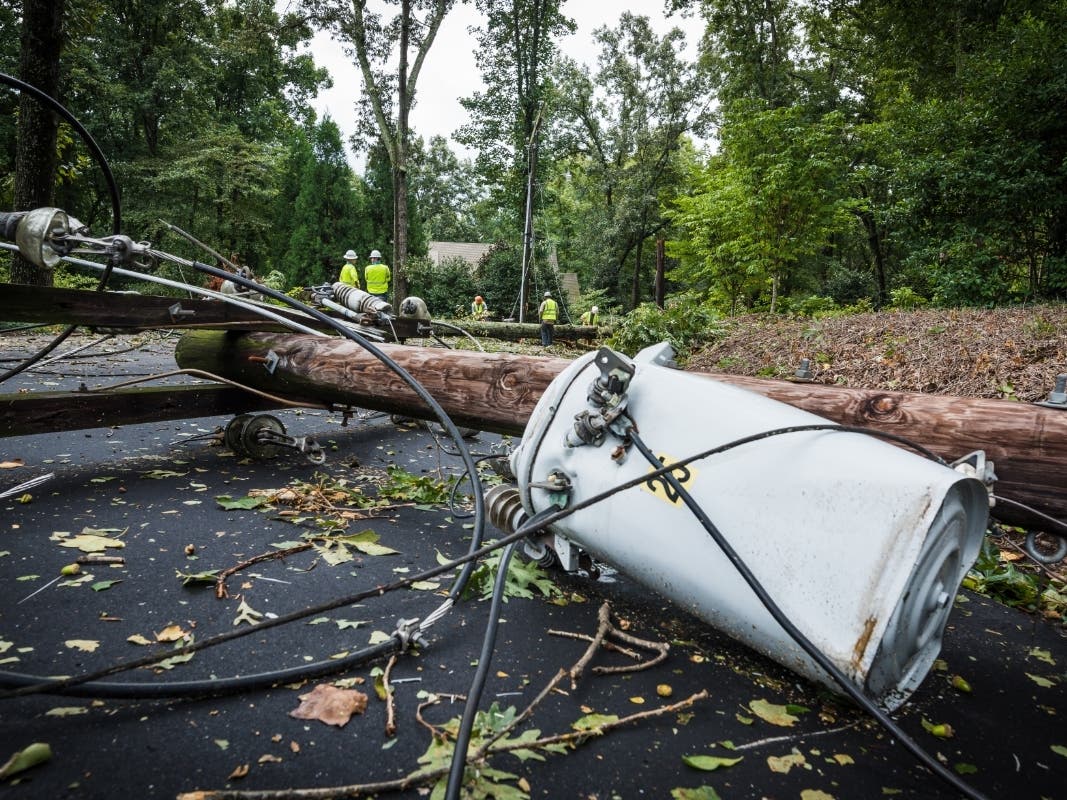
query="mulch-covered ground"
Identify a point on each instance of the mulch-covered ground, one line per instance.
(1013, 353)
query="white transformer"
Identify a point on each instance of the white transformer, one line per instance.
(862, 544)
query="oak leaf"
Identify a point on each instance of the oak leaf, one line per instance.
(330, 705)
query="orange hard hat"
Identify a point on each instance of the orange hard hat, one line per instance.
(477, 298)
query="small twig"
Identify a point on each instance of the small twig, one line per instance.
(434, 731)
(220, 579)
(600, 730)
(794, 737)
(603, 623)
(585, 637)
(390, 702)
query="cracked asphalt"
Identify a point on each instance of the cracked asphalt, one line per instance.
(154, 488)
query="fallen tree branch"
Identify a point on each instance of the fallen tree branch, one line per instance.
(488, 748)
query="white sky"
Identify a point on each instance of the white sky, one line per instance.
(450, 73)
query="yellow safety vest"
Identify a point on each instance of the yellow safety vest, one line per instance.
(377, 277)
(549, 310)
(350, 275)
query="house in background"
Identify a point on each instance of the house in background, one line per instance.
(471, 252)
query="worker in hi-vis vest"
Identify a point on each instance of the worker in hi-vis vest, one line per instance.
(349, 272)
(376, 276)
(547, 311)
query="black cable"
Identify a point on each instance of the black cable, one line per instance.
(463, 737)
(474, 695)
(787, 625)
(404, 375)
(207, 687)
(113, 189)
(468, 565)
(527, 529)
(90, 142)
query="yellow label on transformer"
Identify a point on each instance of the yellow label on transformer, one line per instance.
(659, 485)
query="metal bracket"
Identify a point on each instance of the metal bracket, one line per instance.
(177, 312)
(408, 632)
(803, 373)
(1057, 398)
(271, 361)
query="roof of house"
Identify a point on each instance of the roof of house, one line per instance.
(471, 252)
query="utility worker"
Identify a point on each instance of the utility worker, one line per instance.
(349, 273)
(377, 276)
(479, 310)
(591, 317)
(547, 311)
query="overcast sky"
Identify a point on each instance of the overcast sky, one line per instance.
(450, 73)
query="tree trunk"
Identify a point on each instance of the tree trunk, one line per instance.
(635, 284)
(35, 154)
(400, 167)
(498, 392)
(661, 267)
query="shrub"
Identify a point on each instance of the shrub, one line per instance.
(686, 323)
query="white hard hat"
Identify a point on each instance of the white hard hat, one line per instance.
(548, 294)
(375, 254)
(595, 310)
(351, 254)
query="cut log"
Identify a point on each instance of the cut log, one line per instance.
(517, 331)
(497, 392)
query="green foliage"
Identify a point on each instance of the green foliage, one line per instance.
(904, 298)
(485, 781)
(525, 578)
(1002, 580)
(499, 278)
(686, 323)
(318, 212)
(401, 486)
(448, 288)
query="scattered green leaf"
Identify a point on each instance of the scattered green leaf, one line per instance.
(31, 756)
(772, 713)
(710, 763)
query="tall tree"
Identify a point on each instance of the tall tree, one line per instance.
(772, 198)
(627, 122)
(35, 160)
(319, 212)
(389, 92)
(444, 191)
(508, 119)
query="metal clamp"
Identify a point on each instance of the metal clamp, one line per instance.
(408, 632)
(177, 312)
(1057, 398)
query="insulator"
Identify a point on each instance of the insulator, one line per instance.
(356, 299)
(504, 506)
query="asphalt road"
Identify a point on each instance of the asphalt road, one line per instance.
(155, 488)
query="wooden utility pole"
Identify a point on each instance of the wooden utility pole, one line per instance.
(38, 126)
(497, 392)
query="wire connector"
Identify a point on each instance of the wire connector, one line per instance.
(409, 632)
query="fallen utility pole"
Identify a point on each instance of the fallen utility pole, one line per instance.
(497, 392)
(517, 331)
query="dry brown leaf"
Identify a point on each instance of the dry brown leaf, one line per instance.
(15, 462)
(240, 771)
(171, 633)
(330, 705)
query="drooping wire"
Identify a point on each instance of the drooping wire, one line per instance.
(113, 190)
(481, 674)
(798, 636)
